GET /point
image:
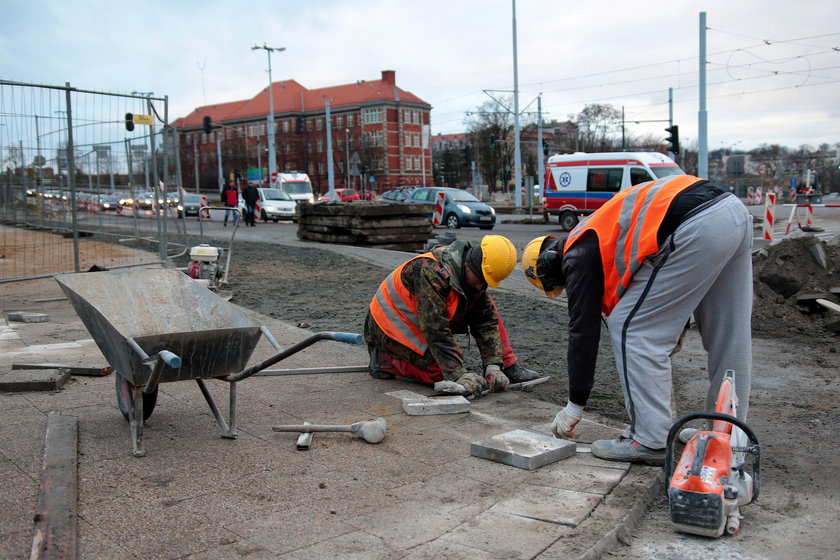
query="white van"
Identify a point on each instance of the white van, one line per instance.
(578, 184)
(296, 184)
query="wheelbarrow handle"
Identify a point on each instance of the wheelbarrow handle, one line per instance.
(170, 359)
(347, 338)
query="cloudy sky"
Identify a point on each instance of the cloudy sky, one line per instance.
(773, 72)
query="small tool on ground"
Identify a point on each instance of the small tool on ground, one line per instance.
(372, 431)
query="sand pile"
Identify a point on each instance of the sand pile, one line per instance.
(787, 276)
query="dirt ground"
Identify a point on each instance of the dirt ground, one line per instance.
(794, 406)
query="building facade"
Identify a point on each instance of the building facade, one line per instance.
(377, 133)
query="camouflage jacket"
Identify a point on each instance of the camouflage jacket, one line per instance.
(431, 281)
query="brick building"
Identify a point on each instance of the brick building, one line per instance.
(377, 136)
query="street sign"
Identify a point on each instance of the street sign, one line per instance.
(143, 119)
(39, 160)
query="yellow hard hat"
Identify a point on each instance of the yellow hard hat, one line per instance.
(498, 258)
(529, 264)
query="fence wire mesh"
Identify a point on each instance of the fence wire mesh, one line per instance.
(79, 189)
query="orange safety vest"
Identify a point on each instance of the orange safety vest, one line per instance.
(394, 309)
(626, 227)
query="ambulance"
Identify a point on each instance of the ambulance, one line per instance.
(578, 184)
(296, 184)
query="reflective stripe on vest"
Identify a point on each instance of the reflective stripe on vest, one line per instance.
(394, 309)
(626, 227)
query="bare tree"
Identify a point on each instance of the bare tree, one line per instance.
(599, 128)
(491, 127)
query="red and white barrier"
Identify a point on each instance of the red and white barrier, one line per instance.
(440, 200)
(769, 216)
(750, 196)
(758, 194)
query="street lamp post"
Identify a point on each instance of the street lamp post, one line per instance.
(272, 156)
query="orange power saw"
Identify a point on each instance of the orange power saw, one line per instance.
(712, 479)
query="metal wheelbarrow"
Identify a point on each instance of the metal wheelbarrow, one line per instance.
(158, 326)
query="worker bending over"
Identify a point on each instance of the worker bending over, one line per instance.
(649, 258)
(420, 306)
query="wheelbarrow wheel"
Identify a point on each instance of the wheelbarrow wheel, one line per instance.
(125, 399)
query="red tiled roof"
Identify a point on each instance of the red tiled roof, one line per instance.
(291, 97)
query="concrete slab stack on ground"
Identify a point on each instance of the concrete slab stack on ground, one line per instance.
(418, 494)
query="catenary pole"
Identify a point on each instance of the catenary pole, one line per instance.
(702, 117)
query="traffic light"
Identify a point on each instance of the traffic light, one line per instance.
(467, 156)
(673, 139)
(208, 125)
(299, 125)
(492, 140)
(545, 147)
(129, 122)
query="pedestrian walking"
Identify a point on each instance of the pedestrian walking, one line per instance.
(230, 198)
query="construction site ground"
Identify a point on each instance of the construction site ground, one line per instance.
(418, 494)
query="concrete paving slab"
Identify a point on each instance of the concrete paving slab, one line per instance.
(28, 317)
(24, 380)
(507, 536)
(523, 449)
(554, 505)
(424, 406)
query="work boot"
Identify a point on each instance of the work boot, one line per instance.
(687, 433)
(518, 374)
(626, 449)
(375, 365)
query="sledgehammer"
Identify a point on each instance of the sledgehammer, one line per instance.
(373, 430)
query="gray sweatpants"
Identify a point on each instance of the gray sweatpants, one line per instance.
(704, 268)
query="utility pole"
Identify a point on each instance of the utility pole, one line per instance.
(517, 155)
(540, 154)
(702, 117)
(272, 155)
(671, 117)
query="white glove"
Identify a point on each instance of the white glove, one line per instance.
(497, 380)
(566, 421)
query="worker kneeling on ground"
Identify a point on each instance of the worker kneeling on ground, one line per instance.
(420, 306)
(649, 258)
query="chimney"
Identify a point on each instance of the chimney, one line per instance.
(389, 77)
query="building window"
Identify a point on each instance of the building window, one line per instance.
(320, 145)
(285, 147)
(285, 125)
(350, 143)
(350, 120)
(416, 162)
(416, 139)
(321, 167)
(408, 165)
(319, 124)
(339, 119)
(375, 138)
(373, 115)
(407, 139)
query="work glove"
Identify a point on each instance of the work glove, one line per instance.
(566, 421)
(473, 384)
(496, 379)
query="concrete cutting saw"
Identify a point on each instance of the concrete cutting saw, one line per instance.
(713, 478)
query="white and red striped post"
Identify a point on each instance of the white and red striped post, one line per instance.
(750, 196)
(758, 194)
(769, 215)
(809, 214)
(440, 200)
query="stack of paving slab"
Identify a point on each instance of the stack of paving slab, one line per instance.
(400, 227)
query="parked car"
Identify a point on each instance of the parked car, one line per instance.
(396, 195)
(192, 205)
(274, 205)
(367, 195)
(460, 207)
(342, 195)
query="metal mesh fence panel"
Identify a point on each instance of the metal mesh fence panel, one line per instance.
(79, 189)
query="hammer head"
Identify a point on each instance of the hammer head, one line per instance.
(373, 430)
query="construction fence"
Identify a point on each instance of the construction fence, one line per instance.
(88, 179)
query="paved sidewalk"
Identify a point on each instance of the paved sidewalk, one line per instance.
(418, 494)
